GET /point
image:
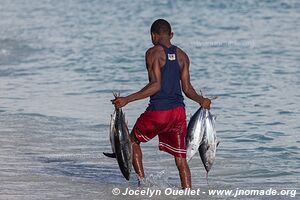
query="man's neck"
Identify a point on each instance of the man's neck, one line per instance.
(165, 43)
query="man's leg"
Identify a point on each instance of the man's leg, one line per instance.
(137, 157)
(184, 172)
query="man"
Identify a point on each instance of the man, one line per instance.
(168, 73)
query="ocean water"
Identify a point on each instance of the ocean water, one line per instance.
(61, 60)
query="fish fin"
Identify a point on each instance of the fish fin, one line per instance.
(188, 159)
(201, 143)
(115, 94)
(214, 117)
(213, 97)
(207, 178)
(110, 155)
(200, 93)
(218, 143)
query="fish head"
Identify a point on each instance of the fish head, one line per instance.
(191, 151)
(210, 157)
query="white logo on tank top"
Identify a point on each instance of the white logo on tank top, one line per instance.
(171, 57)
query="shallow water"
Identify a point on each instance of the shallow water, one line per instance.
(60, 61)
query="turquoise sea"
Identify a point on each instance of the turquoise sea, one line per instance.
(61, 60)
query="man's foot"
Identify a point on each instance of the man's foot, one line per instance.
(141, 181)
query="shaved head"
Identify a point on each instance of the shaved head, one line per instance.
(161, 27)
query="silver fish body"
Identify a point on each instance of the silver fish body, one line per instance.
(195, 132)
(209, 143)
(120, 142)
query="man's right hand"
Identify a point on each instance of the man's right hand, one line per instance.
(205, 103)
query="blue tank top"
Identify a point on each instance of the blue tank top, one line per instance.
(170, 95)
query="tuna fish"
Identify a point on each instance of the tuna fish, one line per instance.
(120, 142)
(209, 142)
(195, 131)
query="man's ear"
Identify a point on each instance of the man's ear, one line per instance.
(152, 35)
(155, 35)
(171, 35)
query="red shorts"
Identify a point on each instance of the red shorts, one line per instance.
(169, 125)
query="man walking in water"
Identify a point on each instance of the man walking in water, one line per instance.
(168, 73)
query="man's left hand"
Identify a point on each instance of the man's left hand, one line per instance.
(120, 102)
(206, 103)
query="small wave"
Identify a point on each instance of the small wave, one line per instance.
(156, 180)
(274, 133)
(260, 137)
(245, 140)
(271, 149)
(274, 123)
(14, 51)
(285, 112)
(266, 173)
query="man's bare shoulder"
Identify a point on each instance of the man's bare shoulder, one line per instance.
(155, 51)
(181, 53)
(182, 56)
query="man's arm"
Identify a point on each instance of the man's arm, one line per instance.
(187, 87)
(154, 85)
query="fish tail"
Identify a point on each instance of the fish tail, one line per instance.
(116, 94)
